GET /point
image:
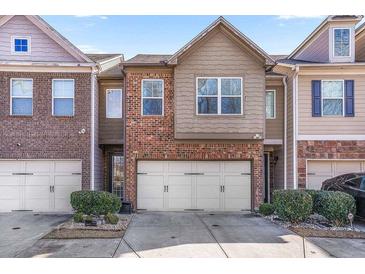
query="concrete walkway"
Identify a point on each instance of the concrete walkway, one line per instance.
(207, 235)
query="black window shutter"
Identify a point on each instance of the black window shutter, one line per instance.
(316, 98)
(349, 98)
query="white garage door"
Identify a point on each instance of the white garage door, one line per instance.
(184, 185)
(318, 171)
(38, 185)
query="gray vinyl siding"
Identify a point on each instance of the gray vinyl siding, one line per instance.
(360, 49)
(318, 50)
(218, 56)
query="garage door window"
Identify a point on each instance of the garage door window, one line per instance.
(21, 97)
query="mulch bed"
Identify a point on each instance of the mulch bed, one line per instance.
(72, 230)
(311, 232)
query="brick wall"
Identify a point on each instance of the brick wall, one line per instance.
(42, 136)
(335, 150)
(152, 138)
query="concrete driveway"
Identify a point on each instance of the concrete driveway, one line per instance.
(21, 230)
(215, 235)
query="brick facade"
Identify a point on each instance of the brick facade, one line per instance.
(43, 136)
(152, 138)
(335, 150)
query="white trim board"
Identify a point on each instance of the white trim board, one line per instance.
(273, 141)
(334, 137)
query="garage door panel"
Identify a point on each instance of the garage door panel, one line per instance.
(347, 167)
(10, 180)
(150, 192)
(208, 192)
(67, 180)
(38, 167)
(179, 167)
(37, 180)
(208, 167)
(237, 167)
(37, 198)
(7, 205)
(150, 167)
(10, 167)
(237, 204)
(10, 192)
(321, 168)
(67, 167)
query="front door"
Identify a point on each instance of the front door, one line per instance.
(267, 178)
(116, 174)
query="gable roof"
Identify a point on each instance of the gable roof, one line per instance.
(53, 34)
(224, 23)
(321, 27)
(104, 57)
(148, 59)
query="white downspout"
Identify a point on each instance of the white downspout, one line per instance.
(285, 129)
(295, 126)
(92, 160)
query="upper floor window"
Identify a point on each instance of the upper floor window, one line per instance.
(21, 97)
(341, 42)
(152, 96)
(332, 97)
(20, 45)
(63, 95)
(270, 104)
(113, 103)
(219, 95)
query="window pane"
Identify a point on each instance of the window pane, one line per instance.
(208, 105)
(157, 88)
(63, 88)
(22, 106)
(342, 42)
(332, 89)
(114, 99)
(332, 107)
(207, 86)
(23, 88)
(17, 42)
(231, 105)
(152, 106)
(270, 104)
(63, 107)
(147, 89)
(231, 86)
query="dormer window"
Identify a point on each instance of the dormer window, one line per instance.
(20, 45)
(341, 42)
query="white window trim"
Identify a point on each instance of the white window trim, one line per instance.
(162, 97)
(107, 105)
(11, 96)
(13, 52)
(219, 96)
(53, 98)
(342, 98)
(334, 43)
(274, 117)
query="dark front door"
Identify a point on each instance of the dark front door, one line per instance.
(116, 174)
(267, 178)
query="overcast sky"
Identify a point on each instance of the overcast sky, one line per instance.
(131, 35)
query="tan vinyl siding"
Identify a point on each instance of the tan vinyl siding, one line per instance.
(43, 48)
(309, 125)
(110, 129)
(275, 127)
(360, 48)
(289, 155)
(318, 50)
(218, 56)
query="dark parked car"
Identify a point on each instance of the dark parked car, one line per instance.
(351, 183)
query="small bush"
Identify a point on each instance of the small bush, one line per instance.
(111, 218)
(266, 209)
(292, 205)
(335, 206)
(88, 218)
(314, 194)
(95, 202)
(78, 217)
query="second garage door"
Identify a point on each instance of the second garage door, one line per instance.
(196, 185)
(318, 171)
(38, 185)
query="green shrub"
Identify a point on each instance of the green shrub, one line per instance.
(314, 194)
(95, 202)
(335, 206)
(292, 205)
(78, 217)
(111, 218)
(266, 209)
(88, 218)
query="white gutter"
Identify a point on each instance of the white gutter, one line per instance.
(295, 126)
(322, 64)
(51, 64)
(285, 129)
